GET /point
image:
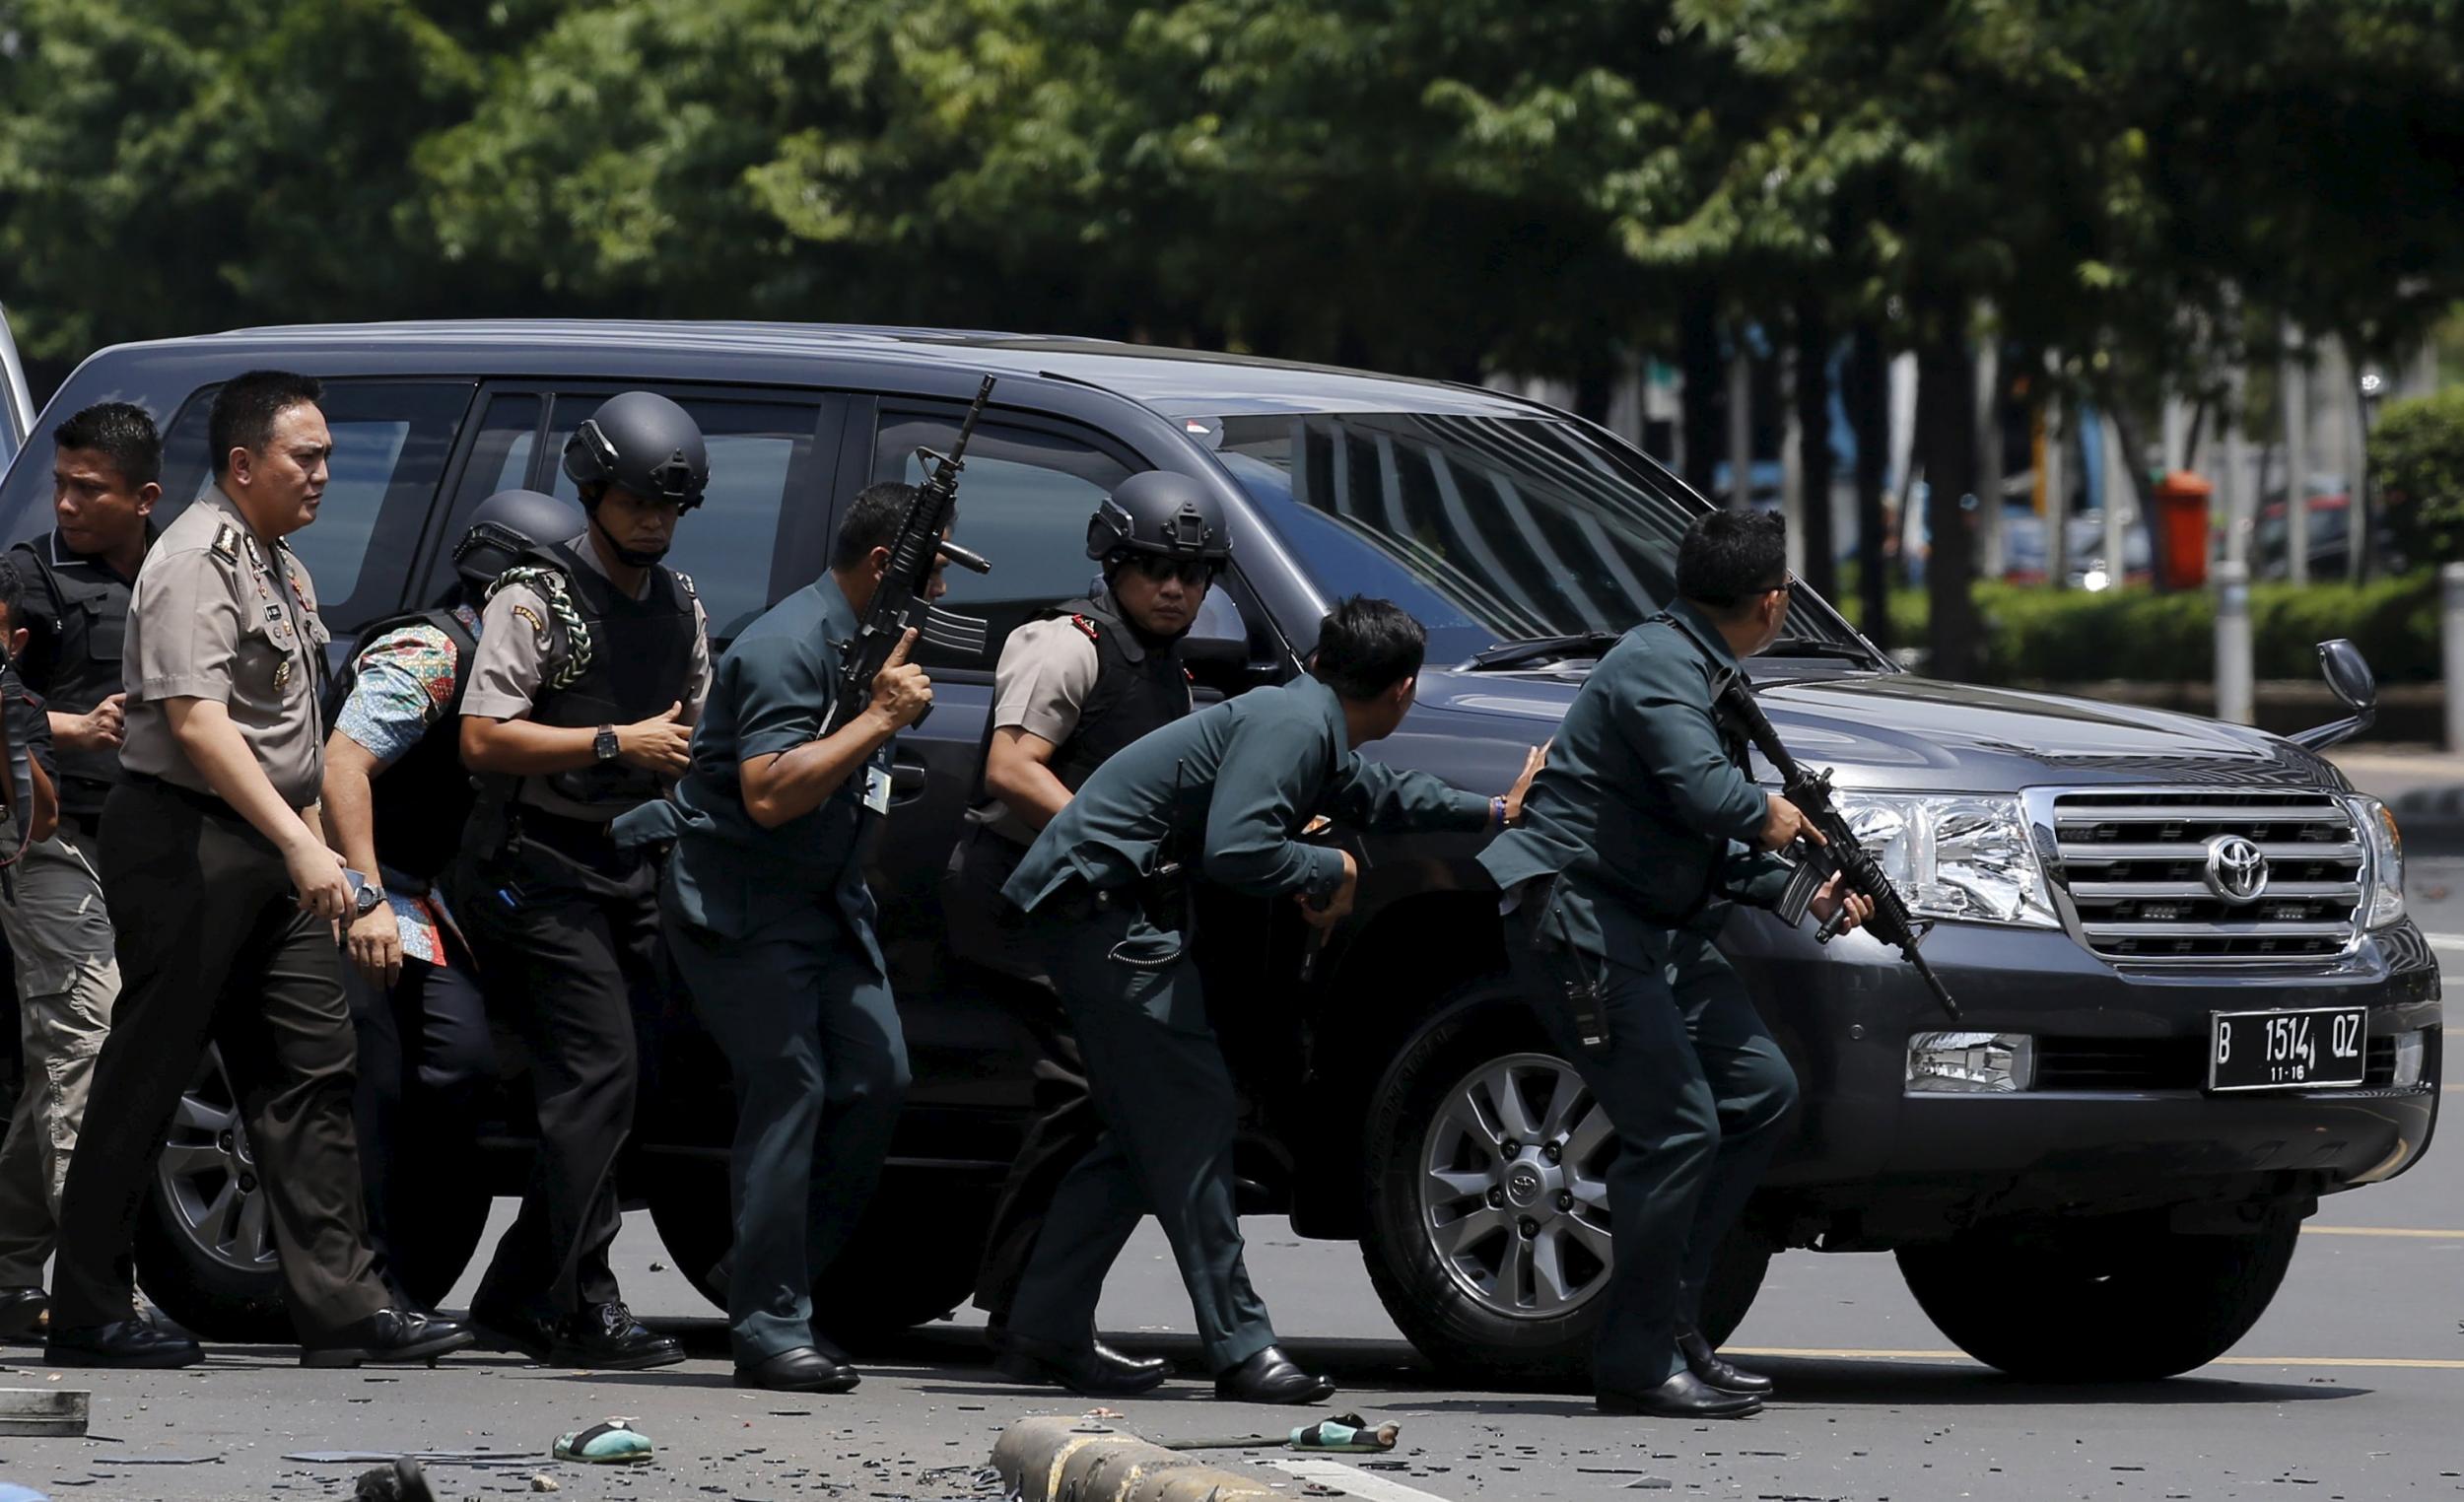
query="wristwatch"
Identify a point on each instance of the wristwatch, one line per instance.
(366, 899)
(605, 745)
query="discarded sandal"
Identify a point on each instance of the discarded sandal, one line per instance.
(614, 1443)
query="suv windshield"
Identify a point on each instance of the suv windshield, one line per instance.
(1490, 529)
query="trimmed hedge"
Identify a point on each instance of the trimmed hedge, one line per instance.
(2036, 635)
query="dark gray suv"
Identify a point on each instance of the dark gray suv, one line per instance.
(2193, 1002)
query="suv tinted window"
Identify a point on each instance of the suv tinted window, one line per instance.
(1023, 503)
(761, 454)
(392, 440)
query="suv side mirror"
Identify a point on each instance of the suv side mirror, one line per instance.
(2349, 676)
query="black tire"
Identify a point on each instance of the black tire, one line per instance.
(204, 1255)
(2124, 1303)
(1440, 1308)
(911, 1260)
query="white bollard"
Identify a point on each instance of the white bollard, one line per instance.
(2232, 641)
(2451, 648)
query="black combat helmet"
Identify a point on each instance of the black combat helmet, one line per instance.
(1159, 513)
(640, 441)
(509, 524)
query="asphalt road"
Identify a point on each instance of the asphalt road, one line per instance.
(2351, 1386)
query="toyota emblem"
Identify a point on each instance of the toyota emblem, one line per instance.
(2236, 869)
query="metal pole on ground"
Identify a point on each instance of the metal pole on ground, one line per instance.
(2451, 648)
(2232, 641)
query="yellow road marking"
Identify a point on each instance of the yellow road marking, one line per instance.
(1850, 1355)
(2383, 1231)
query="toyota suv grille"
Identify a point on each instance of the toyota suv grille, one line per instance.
(2207, 875)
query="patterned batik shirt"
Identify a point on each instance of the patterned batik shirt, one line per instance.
(405, 684)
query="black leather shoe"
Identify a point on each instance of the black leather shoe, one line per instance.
(1270, 1377)
(22, 1312)
(1094, 1370)
(1683, 1395)
(508, 1327)
(389, 1335)
(802, 1370)
(120, 1344)
(607, 1337)
(1705, 1363)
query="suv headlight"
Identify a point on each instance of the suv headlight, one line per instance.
(2382, 874)
(1955, 855)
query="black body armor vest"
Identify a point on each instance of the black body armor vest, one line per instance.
(641, 652)
(420, 803)
(81, 667)
(1139, 689)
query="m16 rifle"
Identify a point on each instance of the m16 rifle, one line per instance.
(1844, 856)
(902, 599)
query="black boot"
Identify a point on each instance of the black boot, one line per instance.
(1094, 1370)
(120, 1344)
(607, 1337)
(1272, 1377)
(22, 1312)
(1705, 1363)
(805, 1369)
(388, 1335)
(1683, 1395)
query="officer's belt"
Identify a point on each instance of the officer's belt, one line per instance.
(206, 803)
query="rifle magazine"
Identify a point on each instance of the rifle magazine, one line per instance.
(952, 632)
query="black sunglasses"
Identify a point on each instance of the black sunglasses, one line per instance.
(1188, 570)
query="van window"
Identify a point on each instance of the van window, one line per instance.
(1023, 503)
(761, 455)
(392, 440)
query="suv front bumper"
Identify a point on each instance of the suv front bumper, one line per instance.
(2125, 1124)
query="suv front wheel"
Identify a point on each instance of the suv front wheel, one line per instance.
(2099, 1303)
(1488, 1224)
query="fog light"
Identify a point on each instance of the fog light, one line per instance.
(1970, 1063)
(2408, 1058)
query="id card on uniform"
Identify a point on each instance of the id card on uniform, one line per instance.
(876, 789)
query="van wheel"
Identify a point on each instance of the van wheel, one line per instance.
(912, 1258)
(1488, 1223)
(2120, 1303)
(205, 1240)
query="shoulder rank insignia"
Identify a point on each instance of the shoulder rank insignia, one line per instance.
(1085, 625)
(227, 543)
(686, 579)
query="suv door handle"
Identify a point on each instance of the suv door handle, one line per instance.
(908, 776)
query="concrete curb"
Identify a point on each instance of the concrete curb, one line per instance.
(1074, 1460)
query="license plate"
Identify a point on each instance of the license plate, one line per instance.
(2322, 1048)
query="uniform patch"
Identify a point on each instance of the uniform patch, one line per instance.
(226, 541)
(1085, 625)
(538, 627)
(686, 579)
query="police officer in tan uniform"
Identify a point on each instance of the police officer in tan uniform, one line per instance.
(225, 902)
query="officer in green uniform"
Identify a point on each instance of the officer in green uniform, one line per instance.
(1225, 791)
(767, 914)
(1635, 837)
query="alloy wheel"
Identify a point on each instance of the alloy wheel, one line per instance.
(209, 1177)
(1513, 1194)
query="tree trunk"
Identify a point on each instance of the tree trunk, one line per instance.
(1946, 428)
(1698, 360)
(1866, 388)
(1814, 444)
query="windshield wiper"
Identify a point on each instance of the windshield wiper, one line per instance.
(1581, 643)
(1808, 646)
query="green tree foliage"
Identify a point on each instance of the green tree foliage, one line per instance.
(2417, 453)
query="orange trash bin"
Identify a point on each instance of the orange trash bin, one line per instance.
(2182, 533)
